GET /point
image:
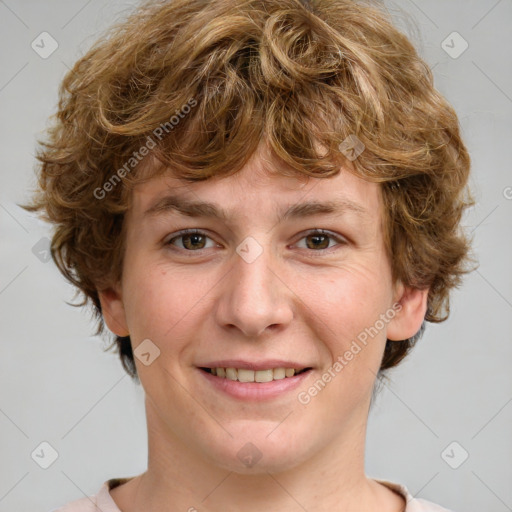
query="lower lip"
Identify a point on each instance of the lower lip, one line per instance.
(256, 391)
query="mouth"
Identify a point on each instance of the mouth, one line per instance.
(255, 381)
(247, 375)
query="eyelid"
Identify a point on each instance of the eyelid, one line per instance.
(183, 232)
(313, 231)
(319, 231)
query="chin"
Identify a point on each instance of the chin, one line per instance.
(254, 451)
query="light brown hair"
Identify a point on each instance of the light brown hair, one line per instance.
(202, 82)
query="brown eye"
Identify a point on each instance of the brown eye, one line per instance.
(190, 240)
(193, 241)
(319, 240)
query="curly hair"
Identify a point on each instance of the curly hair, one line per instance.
(195, 85)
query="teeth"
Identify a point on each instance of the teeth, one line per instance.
(245, 375)
(231, 374)
(279, 373)
(264, 375)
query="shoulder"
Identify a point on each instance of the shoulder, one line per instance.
(414, 504)
(100, 502)
(420, 505)
(81, 505)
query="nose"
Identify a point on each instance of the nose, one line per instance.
(255, 296)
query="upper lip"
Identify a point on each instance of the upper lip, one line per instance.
(268, 364)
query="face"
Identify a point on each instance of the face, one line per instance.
(261, 292)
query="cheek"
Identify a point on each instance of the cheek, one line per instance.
(346, 300)
(344, 309)
(161, 302)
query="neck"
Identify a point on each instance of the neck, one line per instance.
(180, 478)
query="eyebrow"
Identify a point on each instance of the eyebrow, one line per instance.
(191, 208)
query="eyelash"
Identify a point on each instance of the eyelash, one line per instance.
(181, 234)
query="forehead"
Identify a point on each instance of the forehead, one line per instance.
(258, 188)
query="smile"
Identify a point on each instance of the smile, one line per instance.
(254, 384)
(248, 375)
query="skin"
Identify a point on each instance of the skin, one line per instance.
(294, 302)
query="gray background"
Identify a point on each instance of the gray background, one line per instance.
(59, 387)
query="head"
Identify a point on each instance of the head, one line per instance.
(251, 105)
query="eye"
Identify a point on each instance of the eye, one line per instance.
(319, 239)
(191, 239)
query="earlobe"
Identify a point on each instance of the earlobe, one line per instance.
(112, 308)
(410, 315)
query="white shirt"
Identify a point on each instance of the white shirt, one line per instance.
(103, 502)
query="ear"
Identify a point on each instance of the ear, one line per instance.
(409, 317)
(112, 308)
